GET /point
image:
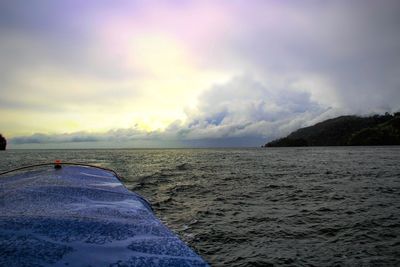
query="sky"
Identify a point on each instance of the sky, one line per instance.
(93, 74)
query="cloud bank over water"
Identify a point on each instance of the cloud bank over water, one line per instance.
(241, 112)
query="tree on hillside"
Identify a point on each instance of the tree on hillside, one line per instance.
(3, 142)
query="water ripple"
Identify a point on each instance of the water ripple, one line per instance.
(264, 207)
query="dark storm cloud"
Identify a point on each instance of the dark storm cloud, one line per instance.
(353, 45)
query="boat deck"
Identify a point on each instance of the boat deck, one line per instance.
(82, 216)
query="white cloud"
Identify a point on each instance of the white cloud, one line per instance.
(245, 107)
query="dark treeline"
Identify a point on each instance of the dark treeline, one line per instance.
(346, 131)
(3, 142)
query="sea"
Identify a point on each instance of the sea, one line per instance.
(315, 206)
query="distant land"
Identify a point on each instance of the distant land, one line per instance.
(346, 131)
(3, 142)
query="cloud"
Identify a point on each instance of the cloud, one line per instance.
(246, 107)
(162, 71)
(77, 137)
(346, 52)
(243, 111)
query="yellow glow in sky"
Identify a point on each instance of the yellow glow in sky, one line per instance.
(165, 80)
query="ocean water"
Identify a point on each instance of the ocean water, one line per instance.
(323, 206)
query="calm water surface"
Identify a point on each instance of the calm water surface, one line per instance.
(263, 207)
